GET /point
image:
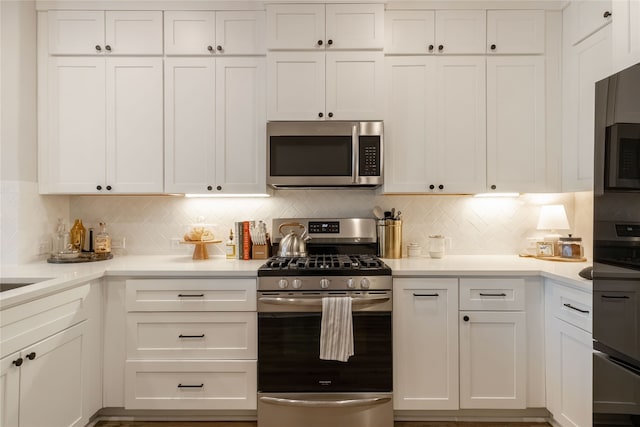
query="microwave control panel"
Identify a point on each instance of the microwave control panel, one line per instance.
(369, 155)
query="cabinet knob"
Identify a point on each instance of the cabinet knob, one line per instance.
(430, 48)
(465, 318)
(440, 48)
(99, 187)
(18, 361)
(109, 188)
(210, 48)
(431, 187)
(98, 48)
(606, 14)
(209, 187)
(108, 47)
(493, 47)
(441, 187)
(320, 115)
(329, 42)
(219, 48)
(31, 355)
(319, 43)
(219, 188)
(330, 114)
(493, 187)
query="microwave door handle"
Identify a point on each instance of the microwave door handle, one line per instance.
(355, 145)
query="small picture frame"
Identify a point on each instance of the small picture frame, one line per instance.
(544, 249)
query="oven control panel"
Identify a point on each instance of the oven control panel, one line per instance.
(324, 227)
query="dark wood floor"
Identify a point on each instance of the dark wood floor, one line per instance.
(253, 424)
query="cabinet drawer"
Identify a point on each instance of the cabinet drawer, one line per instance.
(571, 305)
(492, 294)
(27, 323)
(191, 295)
(191, 385)
(230, 335)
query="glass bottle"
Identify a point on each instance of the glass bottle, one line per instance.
(102, 243)
(231, 247)
(77, 235)
(60, 241)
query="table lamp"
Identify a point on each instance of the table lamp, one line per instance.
(553, 218)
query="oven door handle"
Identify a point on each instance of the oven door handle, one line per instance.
(318, 301)
(347, 403)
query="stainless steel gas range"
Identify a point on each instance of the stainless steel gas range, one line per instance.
(295, 386)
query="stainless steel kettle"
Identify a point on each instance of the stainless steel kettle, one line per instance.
(293, 244)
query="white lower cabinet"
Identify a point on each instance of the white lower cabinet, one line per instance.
(425, 335)
(569, 352)
(191, 344)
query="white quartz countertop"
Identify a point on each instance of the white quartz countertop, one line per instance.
(50, 278)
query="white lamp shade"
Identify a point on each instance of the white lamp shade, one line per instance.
(553, 217)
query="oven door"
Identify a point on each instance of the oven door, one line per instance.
(289, 348)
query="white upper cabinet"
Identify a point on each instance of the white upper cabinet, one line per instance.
(318, 26)
(435, 111)
(515, 31)
(461, 31)
(588, 17)
(104, 127)
(319, 86)
(110, 32)
(516, 155)
(626, 34)
(440, 31)
(207, 33)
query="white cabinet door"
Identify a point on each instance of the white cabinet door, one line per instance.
(189, 33)
(515, 31)
(134, 116)
(425, 344)
(584, 64)
(73, 32)
(295, 26)
(493, 360)
(49, 365)
(354, 26)
(410, 122)
(461, 31)
(72, 158)
(240, 125)
(296, 86)
(133, 32)
(409, 32)
(590, 16)
(10, 389)
(570, 366)
(189, 125)
(626, 34)
(516, 154)
(240, 32)
(354, 85)
(460, 126)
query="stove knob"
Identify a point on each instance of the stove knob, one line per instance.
(282, 283)
(324, 283)
(364, 283)
(350, 283)
(297, 283)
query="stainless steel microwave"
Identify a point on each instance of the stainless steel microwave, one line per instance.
(622, 157)
(324, 154)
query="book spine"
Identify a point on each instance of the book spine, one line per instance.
(239, 240)
(246, 241)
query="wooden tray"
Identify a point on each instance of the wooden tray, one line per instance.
(555, 258)
(200, 249)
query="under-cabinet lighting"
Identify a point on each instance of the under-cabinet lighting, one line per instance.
(226, 195)
(497, 195)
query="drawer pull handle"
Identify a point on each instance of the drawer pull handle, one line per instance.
(191, 336)
(576, 309)
(426, 295)
(190, 295)
(493, 295)
(615, 296)
(190, 385)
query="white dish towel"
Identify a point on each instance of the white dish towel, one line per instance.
(336, 329)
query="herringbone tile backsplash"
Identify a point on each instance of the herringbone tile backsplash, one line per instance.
(473, 225)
